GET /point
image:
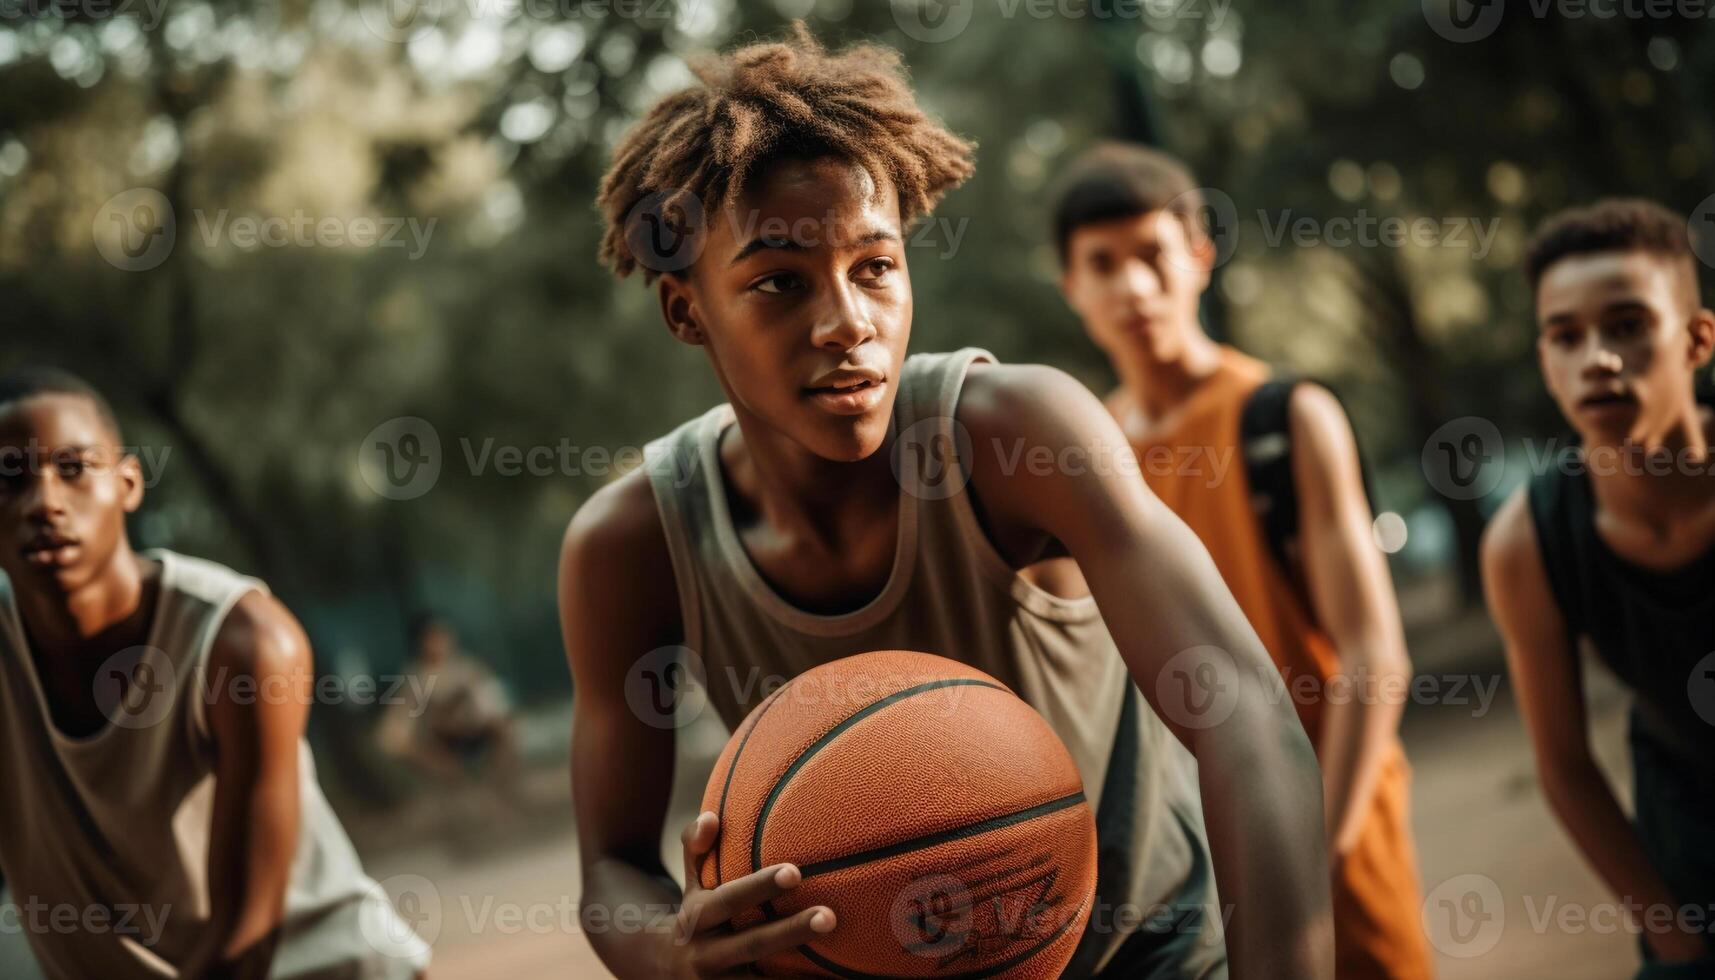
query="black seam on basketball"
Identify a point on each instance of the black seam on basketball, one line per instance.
(848, 973)
(946, 836)
(720, 811)
(817, 746)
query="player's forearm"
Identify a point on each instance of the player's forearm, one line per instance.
(1262, 806)
(627, 912)
(1360, 733)
(1592, 816)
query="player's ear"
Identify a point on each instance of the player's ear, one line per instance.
(1203, 246)
(130, 472)
(679, 308)
(1702, 333)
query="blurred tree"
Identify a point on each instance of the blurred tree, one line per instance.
(255, 369)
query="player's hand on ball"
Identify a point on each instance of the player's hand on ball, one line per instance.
(705, 944)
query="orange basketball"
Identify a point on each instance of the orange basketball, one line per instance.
(935, 813)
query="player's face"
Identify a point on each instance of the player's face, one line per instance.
(65, 488)
(1136, 283)
(802, 301)
(436, 645)
(1619, 344)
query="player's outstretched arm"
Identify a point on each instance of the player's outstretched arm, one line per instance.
(1179, 629)
(618, 602)
(259, 685)
(1547, 679)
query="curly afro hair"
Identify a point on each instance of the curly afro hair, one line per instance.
(770, 101)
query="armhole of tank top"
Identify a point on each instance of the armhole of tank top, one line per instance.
(679, 551)
(950, 386)
(1547, 504)
(205, 648)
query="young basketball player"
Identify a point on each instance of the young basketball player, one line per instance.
(772, 534)
(159, 813)
(1134, 265)
(1614, 545)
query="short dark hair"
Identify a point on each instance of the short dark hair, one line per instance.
(1614, 225)
(36, 381)
(1120, 180)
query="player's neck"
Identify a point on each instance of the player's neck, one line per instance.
(110, 607)
(1157, 386)
(805, 496)
(1656, 479)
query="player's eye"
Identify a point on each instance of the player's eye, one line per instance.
(779, 282)
(875, 270)
(1626, 326)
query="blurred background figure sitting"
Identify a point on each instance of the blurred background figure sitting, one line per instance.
(453, 722)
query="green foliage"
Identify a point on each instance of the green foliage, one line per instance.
(259, 370)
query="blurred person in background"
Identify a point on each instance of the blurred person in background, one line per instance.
(1613, 544)
(456, 724)
(1266, 471)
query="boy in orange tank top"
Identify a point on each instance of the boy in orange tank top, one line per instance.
(1134, 267)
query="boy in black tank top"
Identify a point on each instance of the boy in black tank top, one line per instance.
(1615, 543)
(769, 206)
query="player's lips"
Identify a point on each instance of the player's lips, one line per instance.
(848, 391)
(1606, 402)
(51, 549)
(1139, 322)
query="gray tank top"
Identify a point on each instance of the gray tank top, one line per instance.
(950, 592)
(111, 832)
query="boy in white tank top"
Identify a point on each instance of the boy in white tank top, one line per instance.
(159, 812)
(769, 206)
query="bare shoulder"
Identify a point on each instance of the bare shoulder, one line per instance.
(616, 571)
(1514, 579)
(260, 637)
(1319, 421)
(618, 527)
(1509, 542)
(1002, 400)
(1325, 463)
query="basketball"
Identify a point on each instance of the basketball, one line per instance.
(936, 813)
